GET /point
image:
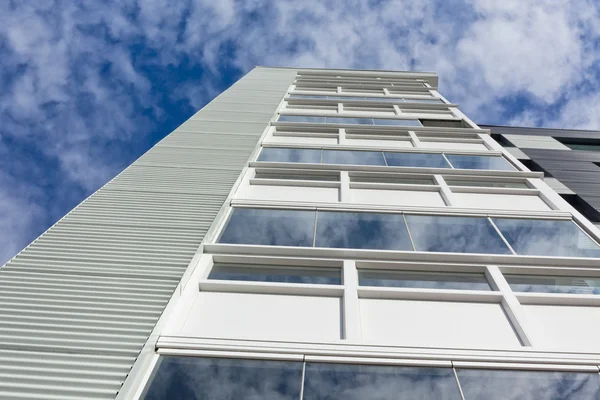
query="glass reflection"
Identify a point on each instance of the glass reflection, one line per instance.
(528, 385)
(424, 160)
(460, 161)
(353, 157)
(454, 234)
(547, 238)
(270, 227)
(194, 378)
(277, 154)
(425, 101)
(361, 382)
(397, 122)
(423, 280)
(268, 273)
(353, 121)
(361, 231)
(480, 183)
(553, 284)
(301, 118)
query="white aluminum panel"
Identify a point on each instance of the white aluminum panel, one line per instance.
(453, 146)
(396, 197)
(292, 193)
(497, 201)
(264, 317)
(564, 328)
(435, 324)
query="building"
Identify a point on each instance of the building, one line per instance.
(568, 158)
(311, 234)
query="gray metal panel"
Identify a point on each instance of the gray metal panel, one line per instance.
(535, 142)
(519, 130)
(78, 304)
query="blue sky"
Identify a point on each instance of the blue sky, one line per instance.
(87, 87)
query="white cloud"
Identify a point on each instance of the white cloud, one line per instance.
(75, 80)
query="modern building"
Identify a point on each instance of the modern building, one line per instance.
(569, 159)
(312, 234)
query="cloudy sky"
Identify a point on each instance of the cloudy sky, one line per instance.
(87, 86)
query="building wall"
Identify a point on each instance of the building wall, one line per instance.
(346, 199)
(577, 171)
(79, 303)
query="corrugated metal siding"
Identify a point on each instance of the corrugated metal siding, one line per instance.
(78, 304)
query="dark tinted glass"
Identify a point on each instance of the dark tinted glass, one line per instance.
(270, 227)
(371, 382)
(397, 122)
(547, 238)
(193, 378)
(455, 234)
(361, 231)
(276, 154)
(345, 98)
(301, 118)
(237, 272)
(528, 385)
(553, 284)
(354, 121)
(425, 280)
(321, 176)
(353, 157)
(479, 162)
(424, 160)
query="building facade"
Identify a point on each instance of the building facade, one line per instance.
(568, 158)
(312, 234)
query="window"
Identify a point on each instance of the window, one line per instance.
(547, 238)
(224, 379)
(479, 162)
(452, 181)
(270, 227)
(454, 234)
(528, 385)
(297, 175)
(268, 273)
(553, 284)
(361, 231)
(353, 157)
(423, 279)
(399, 179)
(360, 382)
(348, 120)
(416, 160)
(280, 154)
(580, 144)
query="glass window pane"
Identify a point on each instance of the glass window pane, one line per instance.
(270, 227)
(345, 98)
(553, 284)
(528, 385)
(361, 231)
(425, 101)
(301, 118)
(268, 273)
(396, 122)
(278, 154)
(547, 238)
(460, 161)
(373, 382)
(224, 379)
(423, 160)
(455, 234)
(301, 176)
(423, 279)
(490, 183)
(583, 147)
(357, 121)
(391, 178)
(353, 157)
(306, 96)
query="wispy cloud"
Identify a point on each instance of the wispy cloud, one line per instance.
(85, 88)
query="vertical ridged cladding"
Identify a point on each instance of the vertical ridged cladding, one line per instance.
(78, 304)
